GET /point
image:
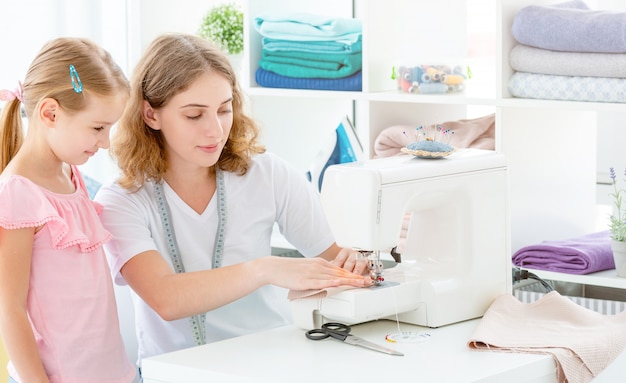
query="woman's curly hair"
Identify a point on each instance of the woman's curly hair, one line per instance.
(169, 66)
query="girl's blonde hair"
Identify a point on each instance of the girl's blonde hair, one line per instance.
(49, 77)
(170, 65)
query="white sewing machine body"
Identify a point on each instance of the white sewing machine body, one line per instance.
(456, 258)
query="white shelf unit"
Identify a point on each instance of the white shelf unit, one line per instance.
(550, 145)
(606, 278)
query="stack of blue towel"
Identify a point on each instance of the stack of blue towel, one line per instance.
(307, 51)
(568, 51)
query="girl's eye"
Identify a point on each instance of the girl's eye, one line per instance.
(99, 128)
(225, 111)
(195, 117)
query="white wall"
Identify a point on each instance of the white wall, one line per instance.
(162, 16)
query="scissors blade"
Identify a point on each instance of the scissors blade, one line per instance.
(356, 341)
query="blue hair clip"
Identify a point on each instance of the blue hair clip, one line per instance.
(76, 83)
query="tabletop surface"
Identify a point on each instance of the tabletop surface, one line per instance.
(286, 355)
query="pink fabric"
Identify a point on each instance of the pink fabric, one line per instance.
(581, 341)
(70, 303)
(476, 133)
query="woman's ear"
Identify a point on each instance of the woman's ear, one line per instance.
(149, 116)
(47, 111)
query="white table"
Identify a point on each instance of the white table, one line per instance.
(285, 355)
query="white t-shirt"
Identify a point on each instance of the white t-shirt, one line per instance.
(272, 191)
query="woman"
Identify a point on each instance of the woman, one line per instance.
(193, 211)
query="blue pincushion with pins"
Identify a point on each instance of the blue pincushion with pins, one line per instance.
(434, 146)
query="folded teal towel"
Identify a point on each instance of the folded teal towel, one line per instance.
(308, 27)
(571, 27)
(273, 45)
(311, 65)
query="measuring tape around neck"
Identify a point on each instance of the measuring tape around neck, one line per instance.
(196, 321)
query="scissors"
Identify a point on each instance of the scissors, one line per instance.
(341, 332)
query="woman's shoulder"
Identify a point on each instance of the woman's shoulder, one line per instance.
(270, 161)
(114, 194)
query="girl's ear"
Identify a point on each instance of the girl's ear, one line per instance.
(149, 116)
(47, 111)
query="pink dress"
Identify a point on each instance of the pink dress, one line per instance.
(71, 303)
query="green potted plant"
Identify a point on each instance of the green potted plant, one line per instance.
(223, 25)
(617, 225)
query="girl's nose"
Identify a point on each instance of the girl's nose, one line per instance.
(104, 142)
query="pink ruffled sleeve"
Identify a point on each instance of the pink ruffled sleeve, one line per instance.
(70, 219)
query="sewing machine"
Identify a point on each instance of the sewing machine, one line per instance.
(455, 258)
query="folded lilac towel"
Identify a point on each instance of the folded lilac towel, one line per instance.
(571, 26)
(582, 255)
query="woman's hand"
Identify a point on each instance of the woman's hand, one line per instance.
(309, 273)
(348, 259)
(351, 260)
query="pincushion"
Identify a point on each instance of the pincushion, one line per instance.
(428, 148)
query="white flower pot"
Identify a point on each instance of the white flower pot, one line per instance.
(619, 256)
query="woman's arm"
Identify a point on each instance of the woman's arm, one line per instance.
(15, 257)
(174, 296)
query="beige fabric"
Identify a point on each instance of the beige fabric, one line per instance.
(316, 294)
(476, 133)
(581, 341)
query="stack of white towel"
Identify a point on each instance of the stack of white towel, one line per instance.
(568, 51)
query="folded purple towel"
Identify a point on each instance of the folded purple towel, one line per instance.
(582, 255)
(570, 27)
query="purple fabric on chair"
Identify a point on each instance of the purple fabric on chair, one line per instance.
(581, 255)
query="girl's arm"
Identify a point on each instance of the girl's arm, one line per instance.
(15, 257)
(174, 296)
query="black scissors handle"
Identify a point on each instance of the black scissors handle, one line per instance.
(335, 330)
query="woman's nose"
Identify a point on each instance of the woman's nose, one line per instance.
(213, 127)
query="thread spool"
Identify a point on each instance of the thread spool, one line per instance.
(433, 88)
(434, 73)
(404, 85)
(453, 79)
(426, 78)
(416, 73)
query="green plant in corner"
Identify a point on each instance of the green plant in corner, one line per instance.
(617, 222)
(223, 25)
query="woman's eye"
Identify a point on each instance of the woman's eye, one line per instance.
(194, 117)
(99, 128)
(225, 111)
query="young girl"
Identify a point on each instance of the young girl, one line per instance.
(193, 211)
(58, 316)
